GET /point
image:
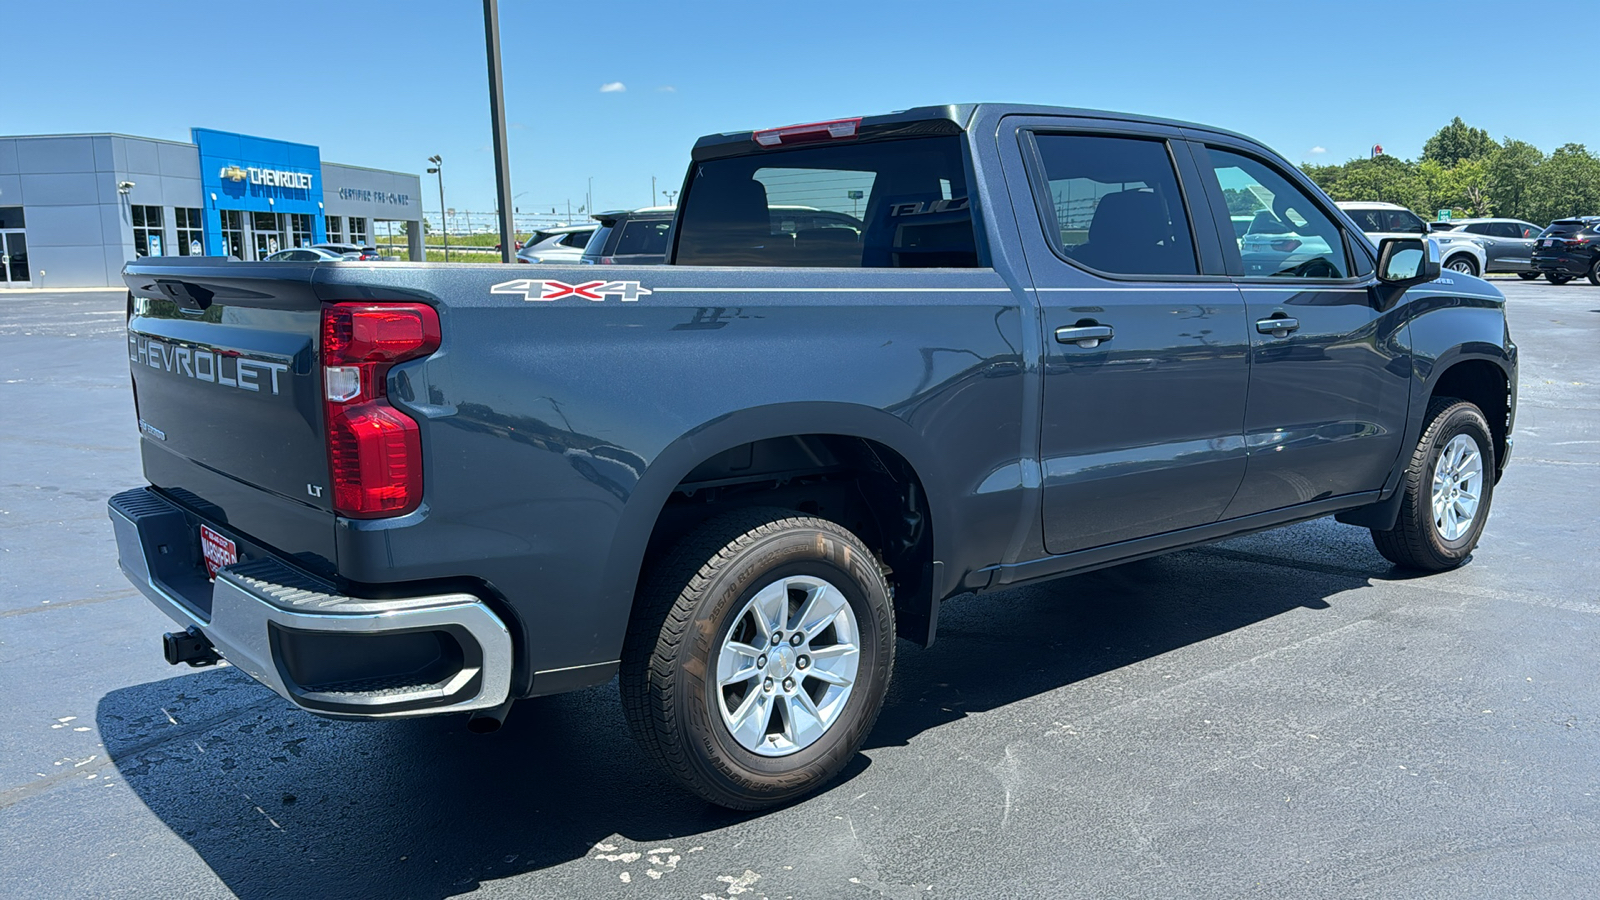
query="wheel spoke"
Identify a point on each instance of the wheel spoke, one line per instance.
(821, 606)
(802, 723)
(736, 663)
(749, 722)
(769, 606)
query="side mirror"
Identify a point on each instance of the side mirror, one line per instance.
(1406, 262)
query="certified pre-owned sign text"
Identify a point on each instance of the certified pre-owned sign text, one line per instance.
(202, 364)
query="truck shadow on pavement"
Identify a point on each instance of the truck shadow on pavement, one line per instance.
(281, 803)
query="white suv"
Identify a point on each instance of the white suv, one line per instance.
(1458, 252)
(562, 245)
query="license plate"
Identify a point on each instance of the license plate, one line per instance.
(1547, 243)
(217, 550)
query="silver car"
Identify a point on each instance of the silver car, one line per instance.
(562, 245)
(1508, 243)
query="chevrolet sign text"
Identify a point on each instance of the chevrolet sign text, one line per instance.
(223, 367)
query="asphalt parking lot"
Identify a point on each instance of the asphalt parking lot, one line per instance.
(1281, 715)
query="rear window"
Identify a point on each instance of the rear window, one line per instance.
(894, 204)
(597, 241)
(1564, 227)
(648, 236)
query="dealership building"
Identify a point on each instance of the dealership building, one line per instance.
(75, 208)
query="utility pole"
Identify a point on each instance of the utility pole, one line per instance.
(652, 190)
(588, 197)
(444, 222)
(497, 116)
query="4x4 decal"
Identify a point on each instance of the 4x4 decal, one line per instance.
(535, 289)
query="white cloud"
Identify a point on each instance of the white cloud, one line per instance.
(1317, 151)
(613, 87)
(667, 89)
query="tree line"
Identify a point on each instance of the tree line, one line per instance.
(1466, 171)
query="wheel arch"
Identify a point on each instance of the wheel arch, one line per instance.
(644, 509)
(1486, 382)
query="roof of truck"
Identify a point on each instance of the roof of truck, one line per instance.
(948, 119)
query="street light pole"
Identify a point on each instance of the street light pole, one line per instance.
(444, 222)
(497, 118)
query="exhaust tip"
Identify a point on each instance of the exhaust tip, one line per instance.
(488, 721)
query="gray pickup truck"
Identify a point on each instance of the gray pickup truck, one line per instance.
(892, 360)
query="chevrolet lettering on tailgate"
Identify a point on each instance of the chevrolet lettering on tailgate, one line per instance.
(223, 367)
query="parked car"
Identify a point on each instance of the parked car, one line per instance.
(309, 254)
(1569, 248)
(1507, 243)
(731, 483)
(625, 237)
(356, 251)
(516, 245)
(1460, 252)
(562, 245)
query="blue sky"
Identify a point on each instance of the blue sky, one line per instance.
(388, 84)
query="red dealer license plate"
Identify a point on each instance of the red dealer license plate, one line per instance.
(217, 550)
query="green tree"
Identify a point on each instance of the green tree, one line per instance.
(1456, 142)
(1241, 202)
(1510, 172)
(1567, 184)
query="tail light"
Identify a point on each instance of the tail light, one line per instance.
(374, 449)
(1286, 245)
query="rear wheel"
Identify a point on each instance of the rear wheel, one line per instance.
(1594, 272)
(1553, 278)
(1528, 276)
(759, 657)
(1462, 263)
(1448, 485)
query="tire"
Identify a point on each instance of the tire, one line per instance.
(1463, 264)
(1528, 276)
(1553, 278)
(704, 598)
(1418, 540)
(1594, 272)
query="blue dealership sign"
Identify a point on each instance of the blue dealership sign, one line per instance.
(252, 174)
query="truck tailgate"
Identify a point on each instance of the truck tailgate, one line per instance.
(228, 395)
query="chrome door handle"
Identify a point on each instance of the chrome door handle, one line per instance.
(1277, 327)
(1086, 336)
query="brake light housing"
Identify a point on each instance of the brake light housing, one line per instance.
(374, 449)
(815, 132)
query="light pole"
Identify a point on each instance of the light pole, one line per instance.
(497, 123)
(669, 195)
(444, 228)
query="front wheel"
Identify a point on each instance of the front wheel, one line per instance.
(1464, 264)
(1594, 272)
(759, 656)
(1553, 278)
(1528, 276)
(1448, 485)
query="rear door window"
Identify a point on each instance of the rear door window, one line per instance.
(1116, 203)
(889, 204)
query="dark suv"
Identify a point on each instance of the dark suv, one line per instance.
(630, 237)
(1569, 248)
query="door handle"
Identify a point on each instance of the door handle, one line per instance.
(1277, 326)
(1086, 336)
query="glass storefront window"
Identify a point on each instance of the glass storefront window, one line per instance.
(358, 230)
(190, 229)
(268, 230)
(233, 233)
(335, 230)
(300, 228)
(149, 237)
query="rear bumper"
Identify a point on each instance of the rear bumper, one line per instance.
(1562, 264)
(323, 651)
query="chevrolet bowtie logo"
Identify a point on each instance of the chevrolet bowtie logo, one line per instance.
(232, 173)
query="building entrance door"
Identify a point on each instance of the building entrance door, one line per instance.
(266, 233)
(14, 259)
